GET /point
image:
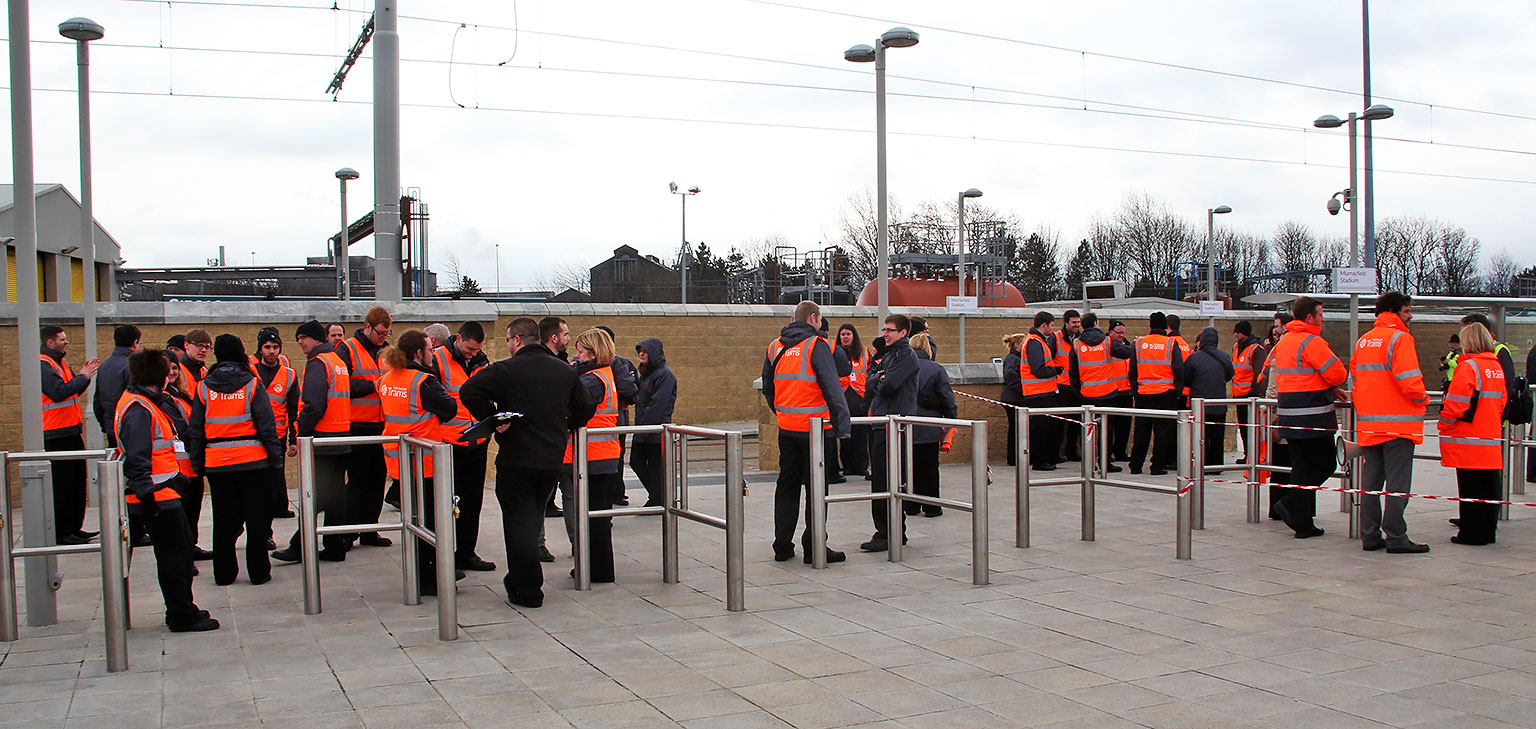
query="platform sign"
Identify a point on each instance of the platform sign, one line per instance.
(1211, 308)
(961, 304)
(1354, 280)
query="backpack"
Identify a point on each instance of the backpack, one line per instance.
(1518, 410)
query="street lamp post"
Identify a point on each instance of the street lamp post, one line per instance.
(82, 31)
(960, 260)
(683, 252)
(343, 254)
(893, 38)
(1210, 255)
(498, 268)
(1376, 112)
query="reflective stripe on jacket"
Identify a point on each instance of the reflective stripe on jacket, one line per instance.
(1479, 377)
(796, 395)
(1063, 354)
(228, 428)
(400, 405)
(602, 447)
(1389, 391)
(277, 393)
(1096, 370)
(1306, 371)
(1029, 384)
(1154, 364)
(337, 419)
(65, 413)
(163, 464)
(365, 409)
(453, 376)
(1243, 375)
(860, 374)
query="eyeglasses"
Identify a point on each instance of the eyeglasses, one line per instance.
(199, 345)
(888, 329)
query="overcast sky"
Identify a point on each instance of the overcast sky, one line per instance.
(565, 152)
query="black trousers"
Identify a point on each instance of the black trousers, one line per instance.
(1215, 439)
(1161, 428)
(1120, 428)
(1044, 433)
(69, 481)
(1312, 463)
(523, 493)
(330, 500)
(646, 460)
(879, 483)
(1280, 457)
(469, 486)
(1013, 434)
(1071, 435)
(242, 502)
(854, 451)
(925, 478)
(192, 502)
(603, 487)
(278, 479)
(1479, 522)
(173, 562)
(365, 483)
(793, 488)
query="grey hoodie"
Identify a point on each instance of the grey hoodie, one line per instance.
(658, 391)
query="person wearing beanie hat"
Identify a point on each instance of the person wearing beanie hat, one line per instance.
(1248, 356)
(1157, 371)
(366, 480)
(178, 345)
(312, 329)
(321, 416)
(280, 380)
(232, 438)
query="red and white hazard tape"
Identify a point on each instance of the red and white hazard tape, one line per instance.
(1342, 490)
(1064, 418)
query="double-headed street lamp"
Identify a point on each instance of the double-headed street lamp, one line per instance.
(1210, 254)
(343, 255)
(82, 31)
(893, 38)
(1377, 112)
(683, 252)
(960, 260)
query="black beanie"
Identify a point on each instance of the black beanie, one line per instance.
(229, 348)
(312, 329)
(1158, 320)
(268, 334)
(179, 341)
(1243, 328)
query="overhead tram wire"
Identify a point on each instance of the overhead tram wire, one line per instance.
(798, 127)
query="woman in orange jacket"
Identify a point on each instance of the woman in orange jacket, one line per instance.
(1471, 423)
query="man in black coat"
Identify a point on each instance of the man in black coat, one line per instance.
(112, 379)
(892, 390)
(548, 393)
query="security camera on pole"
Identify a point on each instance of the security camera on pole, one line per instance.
(682, 254)
(1376, 113)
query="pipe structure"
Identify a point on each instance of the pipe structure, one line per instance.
(388, 273)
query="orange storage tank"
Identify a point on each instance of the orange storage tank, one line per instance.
(933, 292)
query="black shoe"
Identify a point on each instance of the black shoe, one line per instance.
(1136, 468)
(553, 512)
(865, 474)
(1158, 471)
(1112, 468)
(459, 574)
(73, 539)
(1454, 522)
(933, 512)
(287, 555)
(195, 626)
(877, 544)
(201, 555)
(143, 540)
(780, 555)
(1309, 532)
(1073, 457)
(196, 571)
(836, 479)
(1043, 467)
(333, 555)
(1458, 539)
(374, 540)
(473, 562)
(286, 514)
(526, 602)
(86, 534)
(544, 556)
(261, 580)
(271, 545)
(1372, 546)
(1116, 457)
(1409, 548)
(911, 509)
(621, 501)
(395, 504)
(832, 556)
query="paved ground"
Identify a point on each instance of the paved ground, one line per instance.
(1257, 630)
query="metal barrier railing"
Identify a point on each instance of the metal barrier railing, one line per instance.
(899, 464)
(1024, 479)
(112, 548)
(412, 451)
(675, 478)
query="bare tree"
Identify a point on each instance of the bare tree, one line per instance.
(1499, 274)
(453, 272)
(1405, 255)
(1109, 259)
(858, 229)
(568, 274)
(1294, 247)
(1456, 257)
(1155, 238)
(1242, 256)
(1331, 253)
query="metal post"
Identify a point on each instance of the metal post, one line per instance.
(1370, 199)
(1184, 508)
(37, 530)
(735, 526)
(1521, 455)
(1087, 448)
(1021, 477)
(444, 536)
(673, 473)
(882, 235)
(1354, 235)
(583, 509)
(1252, 447)
(960, 267)
(386, 151)
(1351, 479)
(981, 537)
(309, 547)
(893, 531)
(1507, 478)
(1210, 260)
(93, 435)
(1087, 517)
(411, 477)
(684, 250)
(114, 542)
(1197, 453)
(818, 486)
(344, 250)
(682, 470)
(9, 629)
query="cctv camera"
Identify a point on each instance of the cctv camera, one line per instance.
(1334, 206)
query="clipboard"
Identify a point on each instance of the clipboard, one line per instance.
(486, 428)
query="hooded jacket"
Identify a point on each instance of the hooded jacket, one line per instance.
(1208, 370)
(657, 393)
(227, 377)
(827, 379)
(892, 386)
(935, 397)
(1013, 390)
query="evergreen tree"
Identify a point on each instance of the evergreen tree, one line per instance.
(1079, 268)
(1039, 269)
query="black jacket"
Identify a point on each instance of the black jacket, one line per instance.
(1013, 390)
(1039, 357)
(626, 379)
(227, 377)
(549, 394)
(892, 388)
(290, 398)
(935, 397)
(1208, 370)
(1093, 337)
(657, 393)
(111, 379)
(824, 365)
(136, 439)
(57, 390)
(316, 389)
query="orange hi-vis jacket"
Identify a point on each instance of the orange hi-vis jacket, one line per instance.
(796, 395)
(229, 428)
(64, 413)
(1096, 369)
(1154, 364)
(277, 393)
(1063, 356)
(453, 376)
(1389, 391)
(1479, 379)
(860, 375)
(1120, 369)
(1306, 371)
(283, 358)
(365, 409)
(163, 464)
(400, 401)
(601, 447)
(337, 419)
(1029, 384)
(1243, 375)
(1184, 351)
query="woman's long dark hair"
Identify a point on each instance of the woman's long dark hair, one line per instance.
(856, 350)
